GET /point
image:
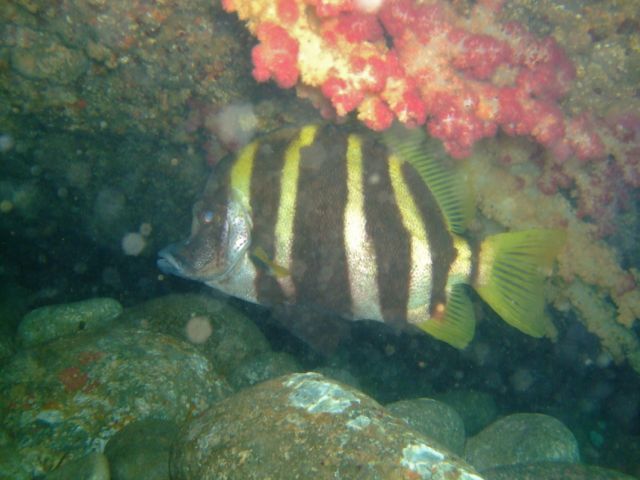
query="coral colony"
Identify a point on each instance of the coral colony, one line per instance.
(465, 76)
(461, 76)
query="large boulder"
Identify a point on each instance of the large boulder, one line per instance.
(522, 438)
(304, 426)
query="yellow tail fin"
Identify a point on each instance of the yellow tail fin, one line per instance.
(511, 271)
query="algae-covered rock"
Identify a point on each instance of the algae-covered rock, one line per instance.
(263, 367)
(305, 426)
(141, 450)
(70, 70)
(11, 462)
(340, 375)
(553, 471)
(93, 466)
(433, 419)
(522, 438)
(66, 398)
(54, 321)
(46, 58)
(221, 332)
(477, 409)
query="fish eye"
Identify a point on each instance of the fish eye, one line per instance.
(207, 216)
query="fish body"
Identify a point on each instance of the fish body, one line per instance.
(368, 227)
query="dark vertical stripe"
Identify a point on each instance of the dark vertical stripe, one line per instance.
(265, 197)
(319, 264)
(390, 239)
(440, 241)
(216, 189)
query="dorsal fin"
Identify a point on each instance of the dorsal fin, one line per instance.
(450, 189)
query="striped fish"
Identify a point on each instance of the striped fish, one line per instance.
(365, 226)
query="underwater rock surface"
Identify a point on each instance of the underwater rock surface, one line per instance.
(54, 321)
(522, 438)
(71, 70)
(141, 450)
(306, 426)
(134, 391)
(553, 471)
(263, 367)
(68, 397)
(93, 466)
(477, 409)
(222, 333)
(433, 419)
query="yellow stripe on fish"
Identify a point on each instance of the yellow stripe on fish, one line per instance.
(241, 174)
(287, 205)
(420, 253)
(364, 226)
(361, 256)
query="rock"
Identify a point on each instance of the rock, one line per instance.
(340, 375)
(306, 426)
(553, 471)
(93, 466)
(221, 332)
(522, 438)
(140, 451)
(46, 58)
(477, 409)
(55, 321)
(65, 52)
(433, 419)
(11, 464)
(263, 367)
(67, 397)
(5, 439)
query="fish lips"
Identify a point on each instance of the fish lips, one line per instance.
(170, 263)
(183, 260)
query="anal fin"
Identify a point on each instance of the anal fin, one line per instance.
(453, 323)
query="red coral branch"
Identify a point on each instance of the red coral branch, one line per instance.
(462, 77)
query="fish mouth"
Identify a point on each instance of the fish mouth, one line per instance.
(173, 261)
(169, 264)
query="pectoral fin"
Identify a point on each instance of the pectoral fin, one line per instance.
(260, 258)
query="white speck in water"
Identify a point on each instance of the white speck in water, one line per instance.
(145, 229)
(133, 243)
(6, 142)
(199, 329)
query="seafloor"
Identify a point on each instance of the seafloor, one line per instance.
(111, 116)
